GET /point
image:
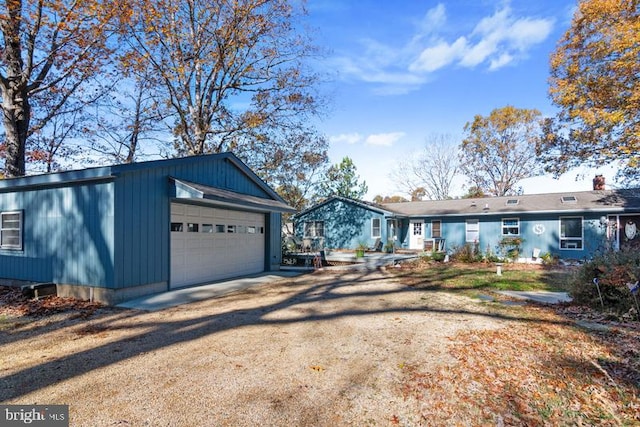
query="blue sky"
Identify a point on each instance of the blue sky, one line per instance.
(404, 70)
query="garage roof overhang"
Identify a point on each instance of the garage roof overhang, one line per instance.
(189, 191)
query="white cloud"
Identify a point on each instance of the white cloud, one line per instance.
(384, 139)
(439, 55)
(502, 39)
(527, 32)
(477, 53)
(435, 18)
(349, 138)
(501, 61)
(378, 67)
(496, 41)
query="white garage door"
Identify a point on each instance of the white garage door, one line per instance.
(209, 244)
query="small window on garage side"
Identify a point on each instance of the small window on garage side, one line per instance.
(207, 228)
(177, 226)
(193, 227)
(261, 230)
(251, 229)
(375, 227)
(231, 228)
(11, 230)
(220, 228)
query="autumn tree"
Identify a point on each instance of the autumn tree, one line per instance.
(48, 149)
(124, 125)
(295, 179)
(50, 52)
(498, 150)
(595, 82)
(430, 173)
(294, 168)
(389, 199)
(342, 180)
(474, 192)
(230, 72)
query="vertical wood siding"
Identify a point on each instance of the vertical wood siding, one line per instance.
(67, 235)
(273, 241)
(345, 224)
(142, 214)
(113, 234)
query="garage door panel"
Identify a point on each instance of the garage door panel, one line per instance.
(198, 257)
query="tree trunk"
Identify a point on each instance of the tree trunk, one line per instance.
(15, 102)
(17, 113)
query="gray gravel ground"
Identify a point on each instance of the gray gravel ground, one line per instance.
(317, 350)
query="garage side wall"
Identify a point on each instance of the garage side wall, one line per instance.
(273, 257)
(67, 234)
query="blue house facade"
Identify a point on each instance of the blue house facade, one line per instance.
(115, 233)
(569, 226)
(339, 222)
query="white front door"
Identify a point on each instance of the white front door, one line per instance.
(416, 235)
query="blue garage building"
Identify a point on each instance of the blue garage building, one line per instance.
(118, 232)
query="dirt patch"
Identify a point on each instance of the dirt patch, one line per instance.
(323, 349)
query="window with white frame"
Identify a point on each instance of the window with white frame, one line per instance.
(375, 227)
(11, 230)
(571, 232)
(472, 230)
(417, 228)
(510, 226)
(436, 229)
(314, 229)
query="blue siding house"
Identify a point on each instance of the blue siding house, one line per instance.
(565, 225)
(118, 232)
(339, 222)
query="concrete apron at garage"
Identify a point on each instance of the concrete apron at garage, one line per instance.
(202, 292)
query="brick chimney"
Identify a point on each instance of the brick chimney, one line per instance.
(598, 183)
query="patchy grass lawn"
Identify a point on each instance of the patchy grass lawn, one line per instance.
(484, 277)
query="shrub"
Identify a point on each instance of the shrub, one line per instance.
(432, 256)
(468, 253)
(613, 271)
(438, 256)
(549, 258)
(510, 247)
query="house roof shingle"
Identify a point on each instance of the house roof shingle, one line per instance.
(585, 201)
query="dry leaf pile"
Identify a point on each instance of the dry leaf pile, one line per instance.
(538, 372)
(14, 304)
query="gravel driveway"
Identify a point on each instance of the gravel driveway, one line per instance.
(320, 349)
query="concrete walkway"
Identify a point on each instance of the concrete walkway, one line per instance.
(198, 293)
(539, 296)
